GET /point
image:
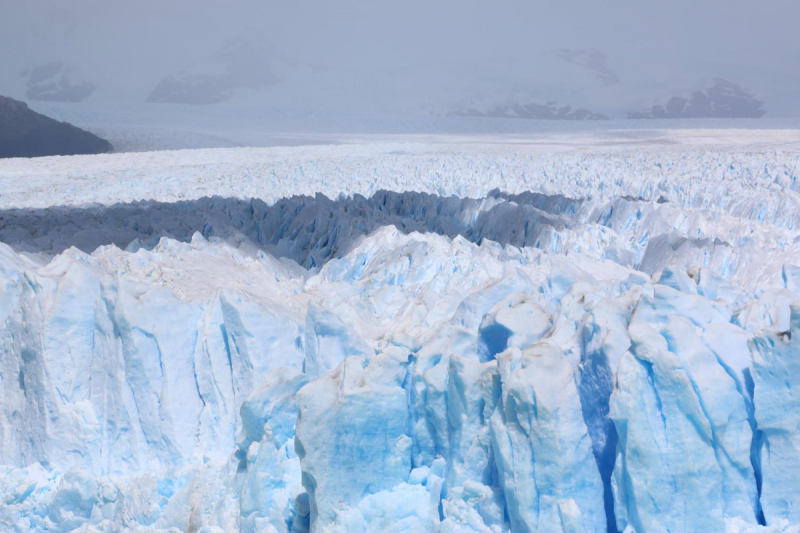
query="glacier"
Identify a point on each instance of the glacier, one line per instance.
(410, 339)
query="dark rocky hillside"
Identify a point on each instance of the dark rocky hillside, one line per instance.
(26, 133)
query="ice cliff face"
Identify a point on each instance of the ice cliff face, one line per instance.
(401, 362)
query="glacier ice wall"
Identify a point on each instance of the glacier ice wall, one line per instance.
(402, 362)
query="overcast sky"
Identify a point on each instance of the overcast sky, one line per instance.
(358, 30)
(647, 42)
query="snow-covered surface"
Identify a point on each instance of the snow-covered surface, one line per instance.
(608, 162)
(549, 334)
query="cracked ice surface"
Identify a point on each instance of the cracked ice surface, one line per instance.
(613, 343)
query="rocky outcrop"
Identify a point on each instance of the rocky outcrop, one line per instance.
(26, 133)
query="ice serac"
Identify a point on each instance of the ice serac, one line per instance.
(352, 443)
(684, 436)
(328, 341)
(604, 339)
(123, 376)
(776, 395)
(542, 445)
(472, 498)
(271, 496)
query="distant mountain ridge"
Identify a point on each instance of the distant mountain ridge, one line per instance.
(26, 133)
(547, 111)
(723, 99)
(56, 82)
(237, 65)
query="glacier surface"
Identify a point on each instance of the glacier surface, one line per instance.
(449, 341)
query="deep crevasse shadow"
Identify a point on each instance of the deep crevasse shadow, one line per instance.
(308, 230)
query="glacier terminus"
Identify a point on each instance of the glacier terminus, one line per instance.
(402, 337)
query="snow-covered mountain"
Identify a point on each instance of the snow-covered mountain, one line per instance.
(56, 82)
(722, 99)
(608, 343)
(237, 65)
